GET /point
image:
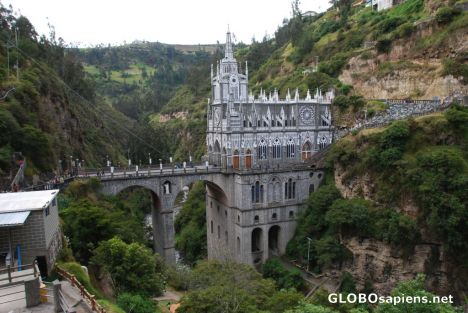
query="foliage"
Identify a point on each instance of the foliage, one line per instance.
(218, 286)
(413, 288)
(284, 278)
(384, 45)
(80, 274)
(89, 218)
(136, 304)
(455, 67)
(445, 15)
(132, 267)
(190, 225)
(311, 308)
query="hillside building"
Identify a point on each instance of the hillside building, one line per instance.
(29, 229)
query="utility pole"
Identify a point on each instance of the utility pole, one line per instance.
(17, 53)
(308, 252)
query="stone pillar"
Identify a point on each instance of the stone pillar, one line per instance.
(57, 286)
(31, 290)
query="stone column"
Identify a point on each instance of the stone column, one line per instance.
(31, 290)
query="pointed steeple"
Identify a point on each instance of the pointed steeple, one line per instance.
(228, 54)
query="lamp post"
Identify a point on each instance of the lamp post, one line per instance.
(149, 159)
(308, 252)
(160, 164)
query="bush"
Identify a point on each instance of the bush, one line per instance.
(455, 67)
(384, 45)
(445, 15)
(284, 278)
(132, 267)
(136, 303)
(405, 30)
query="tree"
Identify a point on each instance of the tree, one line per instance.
(414, 288)
(132, 267)
(217, 286)
(349, 217)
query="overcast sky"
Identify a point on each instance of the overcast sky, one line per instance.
(91, 22)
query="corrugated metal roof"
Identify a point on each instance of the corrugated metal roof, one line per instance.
(13, 218)
(23, 201)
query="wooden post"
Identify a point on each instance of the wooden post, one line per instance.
(9, 273)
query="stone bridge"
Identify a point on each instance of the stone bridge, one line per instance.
(251, 215)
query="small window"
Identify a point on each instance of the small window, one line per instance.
(211, 224)
(226, 236)
(219, 232)
(211, 204)
(54, 202)
(238, 218)
(47, 210)
(256, 219)
(291, 214)
(311, 174)
(274, 216)
(218, 208)
(320, 175)
(311, 188)
(225, 213)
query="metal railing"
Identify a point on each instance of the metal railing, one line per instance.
(85, 294)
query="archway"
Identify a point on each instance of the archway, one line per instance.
(218, 215)
(257, 246)
(217, 154)
(273, 240)
(248, 159)
(146, 203)
(235, 160)
(306, 150)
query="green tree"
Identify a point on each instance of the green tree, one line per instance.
(414, 288)
(132, 267)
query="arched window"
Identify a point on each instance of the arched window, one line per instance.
(248, 159)
(211, 224)
(290, 149)
(226, 237)
(238, 218)
(219, 232)
(235, 159)
(291, 214)
(290, 189)
(256, 219)
(167, 187)
(306, 150)
(276, 149)
(274, 216)
(257, 192)
(323, 142)
(238, 245)
(262, 150)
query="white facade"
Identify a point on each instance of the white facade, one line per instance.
(247, 132)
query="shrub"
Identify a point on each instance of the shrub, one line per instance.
(404, 30)
(445, 15)
(455, 67)
(384, 45)
(284, 278)
(136, 303)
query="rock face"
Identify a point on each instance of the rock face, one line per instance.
(389, 76)
(383, 265)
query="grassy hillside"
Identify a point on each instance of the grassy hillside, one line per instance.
(53, 112)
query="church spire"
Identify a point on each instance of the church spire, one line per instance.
(228, 54)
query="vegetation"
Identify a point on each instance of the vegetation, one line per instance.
(136, 303)
(132, 267)
(190, 226)
(217, 286)
(284, 278)
(90, 218)
(42, 100)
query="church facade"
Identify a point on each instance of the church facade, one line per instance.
(262, 145)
